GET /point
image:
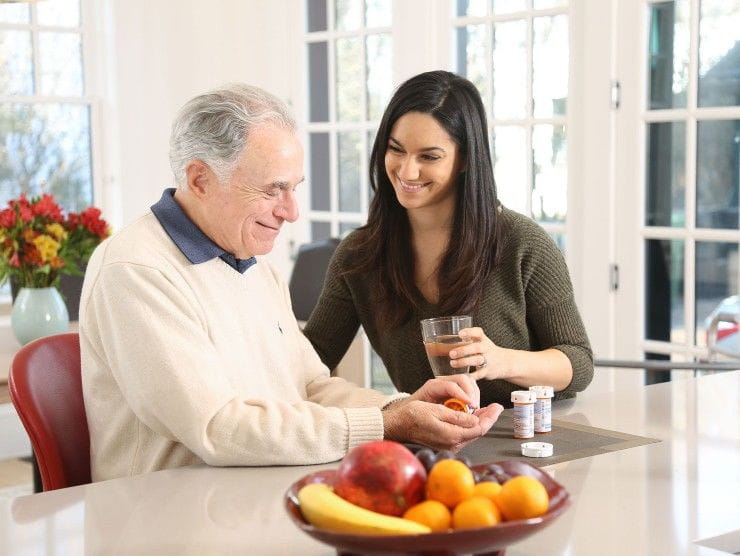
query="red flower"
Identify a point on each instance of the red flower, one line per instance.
(15, 261)
(46, 206)
(7, 218)
(33, 257)
(90, 218)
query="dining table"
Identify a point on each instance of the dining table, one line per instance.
(678, 494)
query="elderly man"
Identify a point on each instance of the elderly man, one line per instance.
(190, 350)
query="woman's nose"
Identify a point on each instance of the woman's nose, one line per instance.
(409, 169)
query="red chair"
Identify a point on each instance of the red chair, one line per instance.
(46, 389)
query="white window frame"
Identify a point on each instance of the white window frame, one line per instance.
(90, 38)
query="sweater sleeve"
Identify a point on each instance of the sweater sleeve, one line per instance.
(334, 321)
(152, 336)
(552, 314)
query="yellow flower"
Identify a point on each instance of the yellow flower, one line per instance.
(57, 230)
(47, 247)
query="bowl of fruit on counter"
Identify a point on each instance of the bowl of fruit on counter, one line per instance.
(384, 498)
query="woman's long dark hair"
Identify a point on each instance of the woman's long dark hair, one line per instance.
(384, 243)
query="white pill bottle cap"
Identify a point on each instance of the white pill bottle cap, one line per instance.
(543, 391)
(523, 396)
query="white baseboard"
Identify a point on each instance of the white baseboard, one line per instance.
(14, 442)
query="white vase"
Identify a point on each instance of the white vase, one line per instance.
(38, 312)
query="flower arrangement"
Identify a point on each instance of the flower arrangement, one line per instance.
(38, 243)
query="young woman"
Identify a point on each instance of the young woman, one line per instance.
(437, 243)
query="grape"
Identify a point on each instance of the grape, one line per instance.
(465, 460)
(477, 476)
(487, 478)
(427, 457)
(498, 473)
(445, 454)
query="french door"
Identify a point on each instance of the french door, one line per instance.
(677, 173)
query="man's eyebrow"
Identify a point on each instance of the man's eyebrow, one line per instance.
(280, 184)
(432, 148)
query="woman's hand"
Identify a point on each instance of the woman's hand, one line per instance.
(488, 360)
(437, 390)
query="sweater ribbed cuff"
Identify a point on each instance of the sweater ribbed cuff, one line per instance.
(365, 424)
(394, 398)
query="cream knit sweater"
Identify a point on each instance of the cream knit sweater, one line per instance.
(186, 363)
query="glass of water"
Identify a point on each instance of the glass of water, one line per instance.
(441, 335)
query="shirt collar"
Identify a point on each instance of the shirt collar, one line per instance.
(194, 244)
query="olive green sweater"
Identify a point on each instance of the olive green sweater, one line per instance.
(527, 304)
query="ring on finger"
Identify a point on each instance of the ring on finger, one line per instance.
(483, 362)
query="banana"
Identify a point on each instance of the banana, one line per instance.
(323, 508)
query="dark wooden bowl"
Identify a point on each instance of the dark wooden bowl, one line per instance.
(485, 540)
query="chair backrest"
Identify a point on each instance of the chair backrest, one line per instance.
(307, 278)
(46, 389)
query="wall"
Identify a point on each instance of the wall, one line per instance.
(158, 54)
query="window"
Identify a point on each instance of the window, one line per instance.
(45, 113)
(349, 61)
(516, 52)
(691, 124)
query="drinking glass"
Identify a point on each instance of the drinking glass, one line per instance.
(441, 335)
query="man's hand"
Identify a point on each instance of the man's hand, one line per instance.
(434, 425)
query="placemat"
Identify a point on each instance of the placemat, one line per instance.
(570, 441)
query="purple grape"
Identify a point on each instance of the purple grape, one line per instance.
(445, 454)
(465, 460)
(427, 457)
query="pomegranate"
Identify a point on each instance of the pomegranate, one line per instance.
(382, 476)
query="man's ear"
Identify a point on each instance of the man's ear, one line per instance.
(198, 177)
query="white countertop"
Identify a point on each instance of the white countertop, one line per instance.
(652, 499)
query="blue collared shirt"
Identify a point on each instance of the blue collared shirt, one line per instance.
(194, 244)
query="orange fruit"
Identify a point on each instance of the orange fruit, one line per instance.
(450, 481)
(475, 512)
(431, 513)
(522, 497)
(487, 489)
(457, 405)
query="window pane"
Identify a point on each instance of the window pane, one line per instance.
(14, 13)
(379, 379)
(716, 279)
(545, 4)
(349, 152)
(510, 69)
(665, 174)
(348, 14)
(664, 304)
(59, 12)
(508, 6)
(346, 227)
(378, 13)
(320, 231)
(550, 65)
(472, 8)
(719, 53)
(60, 64)
(318, 77)
(718, 174)
(668, 55)
(510, 166)
(320, 171)
(549, 196)
(16, 66)
(316, 15)
(46, 149)
(379, 74)
(560, 241)
(349, 79)
(471, 56)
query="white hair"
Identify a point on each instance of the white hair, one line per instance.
(214, 127)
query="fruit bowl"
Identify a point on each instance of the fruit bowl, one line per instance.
(484, 540)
